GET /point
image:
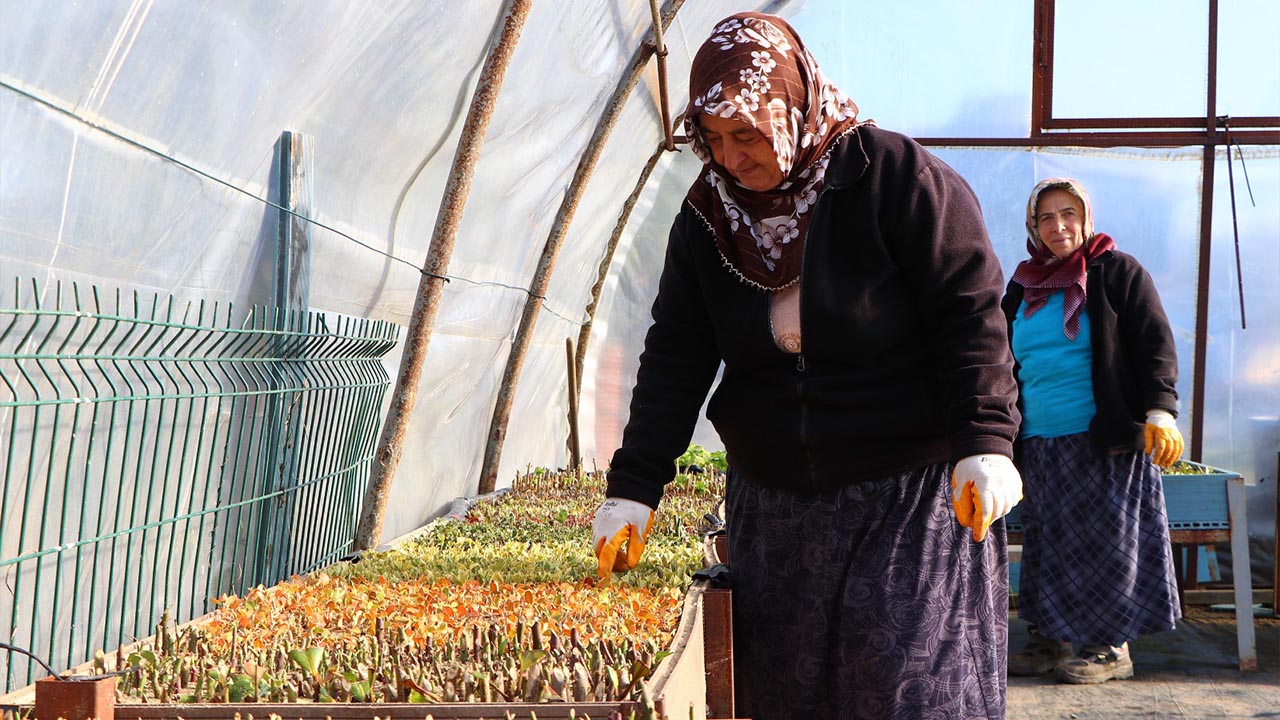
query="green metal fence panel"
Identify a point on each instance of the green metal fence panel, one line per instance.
(157, 457)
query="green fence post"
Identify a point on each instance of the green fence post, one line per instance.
(294, 170)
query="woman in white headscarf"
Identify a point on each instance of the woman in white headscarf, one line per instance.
(1097, 372)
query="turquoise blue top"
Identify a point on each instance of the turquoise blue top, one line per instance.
(1055, 374)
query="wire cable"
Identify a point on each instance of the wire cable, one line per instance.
(208, 176)
(191, 168)
(1235, 225)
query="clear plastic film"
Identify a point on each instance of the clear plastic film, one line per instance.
(139, 142)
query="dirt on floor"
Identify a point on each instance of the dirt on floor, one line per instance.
(1190, 673)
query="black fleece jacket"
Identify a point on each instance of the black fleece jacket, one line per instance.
(906, 360)
(1135, 364)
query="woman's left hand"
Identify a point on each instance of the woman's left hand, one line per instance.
(1163, 441)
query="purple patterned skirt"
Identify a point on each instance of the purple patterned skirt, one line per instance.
(1096, 563)
(866, 602)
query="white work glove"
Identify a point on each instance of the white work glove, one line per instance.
(619, 521)
(984, 488)
(1163, 441)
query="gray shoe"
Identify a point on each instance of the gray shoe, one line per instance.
(1097, 664)
(1039, 656)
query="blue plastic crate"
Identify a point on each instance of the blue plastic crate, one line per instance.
(1198, 502)
(1013, 521)
(1194, 502)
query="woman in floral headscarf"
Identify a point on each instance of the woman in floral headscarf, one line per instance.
(844, 278)
(1097, 370)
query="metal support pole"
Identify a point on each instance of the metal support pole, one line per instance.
(1206, 244)
(297, 189)
(550, 251)
(1241, 576)
(1202, 308)
(295, 168)
(1042, 67)
(426, 305)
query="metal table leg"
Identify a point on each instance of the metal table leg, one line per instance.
(1241, 575)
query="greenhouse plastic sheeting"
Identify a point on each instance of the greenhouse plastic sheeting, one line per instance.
(139, 149)
(138, 145)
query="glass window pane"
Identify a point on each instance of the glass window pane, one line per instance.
(1242, 378)
(1138, 58)
(928, 68)
(1249, 58)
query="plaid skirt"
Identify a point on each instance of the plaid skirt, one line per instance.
(1096, 562)
(870, 601)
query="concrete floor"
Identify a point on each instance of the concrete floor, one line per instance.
(1189, 674)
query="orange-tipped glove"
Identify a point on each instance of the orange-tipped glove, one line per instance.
(619, 521)
(984, 488)
(1163, 441)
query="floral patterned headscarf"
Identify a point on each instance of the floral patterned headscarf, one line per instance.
(1044, 273)
(754, 68)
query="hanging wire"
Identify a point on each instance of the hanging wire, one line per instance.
(1235, 226)
(543, 298)
(191, 168)
(1244, 167)
(208, 176)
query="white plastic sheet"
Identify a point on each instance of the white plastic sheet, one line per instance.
(138, 141)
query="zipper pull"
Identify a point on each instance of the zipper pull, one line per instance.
(800, 363)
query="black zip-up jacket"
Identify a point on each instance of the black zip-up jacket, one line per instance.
(905, 361)
(1135, 364)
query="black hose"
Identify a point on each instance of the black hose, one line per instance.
(31, 655)
(70, 678)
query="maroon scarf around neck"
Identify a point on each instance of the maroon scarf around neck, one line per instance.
(1044, 274)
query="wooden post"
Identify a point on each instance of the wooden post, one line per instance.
(660, 50)
(373, 510)
(575, 449)
(551, 251)
(602, 274)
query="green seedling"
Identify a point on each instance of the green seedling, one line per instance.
(312, 662)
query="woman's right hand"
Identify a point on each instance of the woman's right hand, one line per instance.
(984, 488)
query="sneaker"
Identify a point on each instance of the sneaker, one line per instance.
(1039, 656)
(1097, 664)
